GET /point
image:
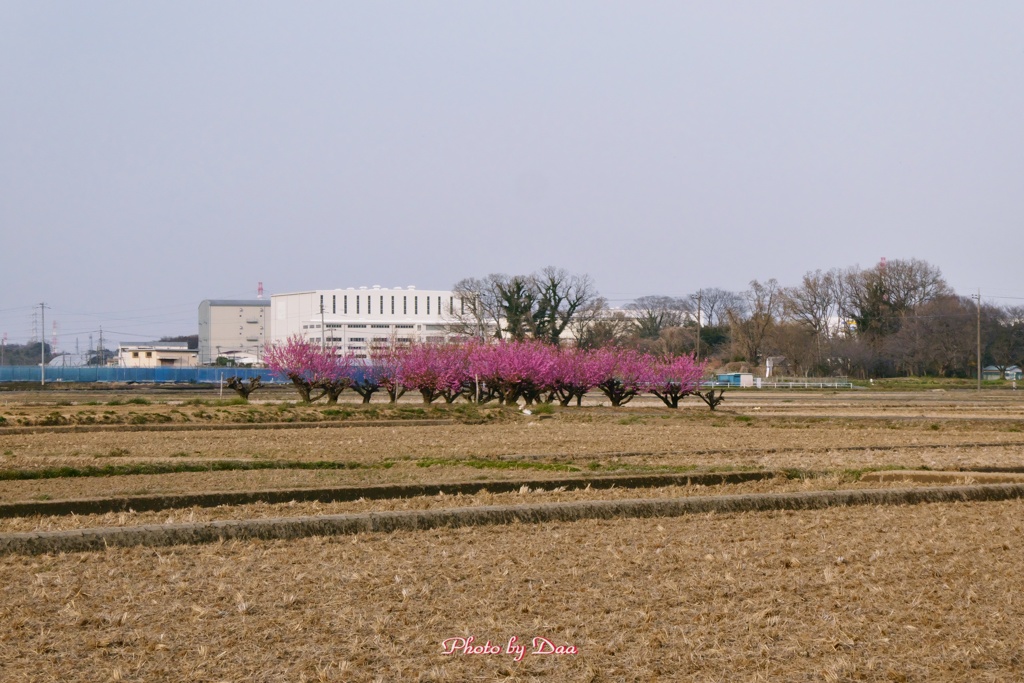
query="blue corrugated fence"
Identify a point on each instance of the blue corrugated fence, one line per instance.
(30, 373)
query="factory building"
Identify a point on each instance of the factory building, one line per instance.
(352, 320)
(233, 328)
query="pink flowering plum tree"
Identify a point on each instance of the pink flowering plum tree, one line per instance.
(622, 373)
(535, 370)
(364, 378)
(485, 374)
(511, 370)
(573, 374)
(436, 370)
(336, 375)
(388, 365)
(309, 368)
(474, 387)
(675, 379)
(454, 359)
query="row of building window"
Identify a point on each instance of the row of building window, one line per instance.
(380, 309)
(335, 326)
(354, 342)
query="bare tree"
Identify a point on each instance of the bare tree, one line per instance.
(654, 314)
(612, 328)
(242, 387)
(543, 305)
(478, 313)
(938, 339)
(813, 306)
(752, 325)
(798, 345)
(559, 297)
(812, 303)
(912, 283)
(587, 316)
(676, 341)
(715, 304)
(1003, 336)
(878, 299)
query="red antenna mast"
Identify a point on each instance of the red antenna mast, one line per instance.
(259, 290)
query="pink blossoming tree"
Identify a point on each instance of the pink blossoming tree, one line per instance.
(388, 366)
(573, 374)
(309, 368)
(436, 370)
(622, 374)
(675, 379)
(511, 370)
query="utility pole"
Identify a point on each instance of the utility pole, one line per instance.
(979, 338)
(42, 346)
(323, 330)
(3, 345)
(700, 296)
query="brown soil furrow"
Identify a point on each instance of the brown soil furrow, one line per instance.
(93, 506)
(220, 426)
(81, 540)
(770, 450)
(524, 495)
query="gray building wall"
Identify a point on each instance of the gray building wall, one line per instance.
(232, 325)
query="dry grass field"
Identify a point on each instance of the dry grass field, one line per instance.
(882, 593)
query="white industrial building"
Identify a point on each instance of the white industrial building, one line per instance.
(232, 328)
(351, 320)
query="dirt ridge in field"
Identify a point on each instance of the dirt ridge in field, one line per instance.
(522, 496)
(219, 426)
(772, 450)
(91, 506)
(82, 540)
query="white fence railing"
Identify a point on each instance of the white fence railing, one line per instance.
(764, 384)
(806, 385)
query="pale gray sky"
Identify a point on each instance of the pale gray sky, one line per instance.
(156, 154)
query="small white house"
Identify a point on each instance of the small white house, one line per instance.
(157, 355)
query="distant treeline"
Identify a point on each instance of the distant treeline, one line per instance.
(897, 318)
(23, 354)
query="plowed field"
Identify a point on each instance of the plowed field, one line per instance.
(913, 593)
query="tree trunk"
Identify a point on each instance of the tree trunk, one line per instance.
(710, 398)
